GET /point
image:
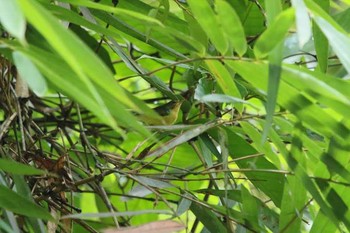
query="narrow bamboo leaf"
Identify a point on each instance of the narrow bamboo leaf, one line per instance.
(73, 17)
(339, 41)
(296, 161)
(321, 42)
(153, 80)
(223, 78)
(265, 148)
(335, 159)
(302, 22)
(220, 98)
(295, 101)
(269, 183)
(274, 34)
(4, 226)
(12, 18)
(183, 205)
(235, 195)
(275, 60)
(152, 182)
(143, 18)
(196, 32)
(322, 224)
(14, 167)
(89, 68)
(22, 187)
(13, 202)
(83, 61)
(207, 218)
(236, 35)
(250, 209)
(182, 138)
(64, 79)
(310, 83)
(293, 202)
(129, 30)
(206, 17)
(30, 73)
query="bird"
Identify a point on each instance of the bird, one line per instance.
(168, 114)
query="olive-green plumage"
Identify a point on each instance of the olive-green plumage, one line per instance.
(168, 114)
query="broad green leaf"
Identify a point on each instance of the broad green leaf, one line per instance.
(336, 160)
(321, 43)
(228, 17)
(29, 73)
(14, 167)
(265, 148)
(88, 67)
(283, 18)
(196, 32)
(269, 183)
(152, 182)
(207, 218)
(250, 209)
(64, 79)
(206, 17)
(274, 34)
(339, 41)
(143, 18)
(182, 138)
(303, 23)
(309, 83)
(113, 21)
(6, 228)
(183, 205)
(12, 18)
(223, 77)
(292, 208)
(12, 201)
(323, 224)
(294, 100)
(296, 161)
(80, 58)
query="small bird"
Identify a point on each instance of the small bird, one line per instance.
(168, 114)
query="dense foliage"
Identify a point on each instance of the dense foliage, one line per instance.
(249, 133)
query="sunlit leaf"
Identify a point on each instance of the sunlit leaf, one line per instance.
(12, 201)
(206, 17)
(12, 18)
(30, 73)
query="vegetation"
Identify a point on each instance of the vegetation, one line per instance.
(167, 115)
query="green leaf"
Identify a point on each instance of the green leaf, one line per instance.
(250, 208)
(14, 167)
(89, 68)
(303, 23)
(321, 43)
(235, 35)
(293, 203)
(294, 100)
(29, 73)
(183, 205)
(339, 41)
(11, 201)
(206, 17)
(207, 218)
(12, 18)
(274, 34)
(269, 183)
(223, 77)
(143, 18)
